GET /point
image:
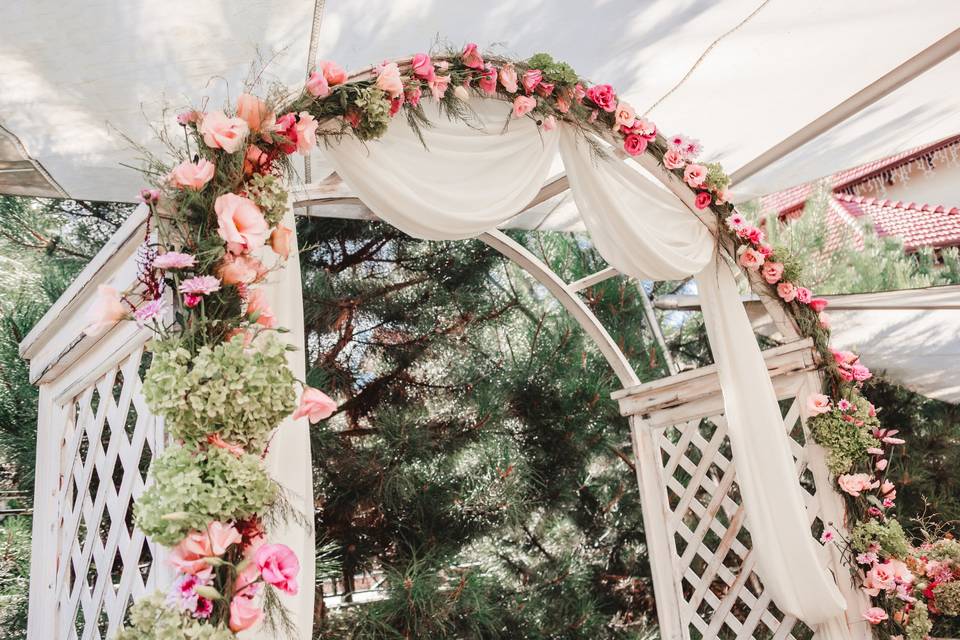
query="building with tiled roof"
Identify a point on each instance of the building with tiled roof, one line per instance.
(914, 196)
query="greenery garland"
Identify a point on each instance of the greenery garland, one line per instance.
(219, 376)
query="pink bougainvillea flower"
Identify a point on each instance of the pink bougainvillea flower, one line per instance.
(488, 80)
(603, 96)
(278, 566)
(241, 224)
(818, 403)
(422, 67)
(220, 131)
(148, 311)
(255, 112)
(257, 306)
(306, 128)
(531, 78)
(333, 72)
(222, 536)
(624, 115)
(190, 175)
(673, 159)
(787, 291)
(388, 79)
(315, 405)
(243, 613)
(106, 311)
(750, 258)
(281, 240)
(772, 272)
(200, 285)
(508, 78)
(471, 57)
(317, 85)
(634, 145)
(240, 269)
(695, 175)
(438, 86)
(174, 260)
(522, 105)
(703, 200)
(875, 615)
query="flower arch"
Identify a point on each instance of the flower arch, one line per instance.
(220, 378)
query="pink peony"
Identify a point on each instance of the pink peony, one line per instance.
(438, 86)
(306, 128)
(222, 536)
(508, 78)
(875, 615)
(107, 311)
(174, 260)
(333, 73)
(703, 200)
(243, 613)
(522, 105)
(222, 132)
(257, 306)
(488, 80)
(255, 112)
(818, 304)
(673, 159)
(240, 270)
(786, 291)
(388, 79)
(317, 85)
(603, 96)
(315, 405)
(422, 67)
(772, 272)
(818, 403)
(200, 285)
(750, 258)
(189, 175)
(854, 483)
(280, 241)
(531, 78)
(471, 57)
(634, 145)
(695, 175)
(241, 225)
(278, 566)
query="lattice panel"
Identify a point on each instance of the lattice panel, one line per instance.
(721, 596)
(104, 562)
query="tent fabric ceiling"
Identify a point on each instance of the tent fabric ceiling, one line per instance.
(80, 78)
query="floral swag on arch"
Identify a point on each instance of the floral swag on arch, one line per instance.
(220, 379)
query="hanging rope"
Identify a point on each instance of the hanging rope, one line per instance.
(704, 55)
(318, 8)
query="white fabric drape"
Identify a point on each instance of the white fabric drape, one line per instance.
(473, 178)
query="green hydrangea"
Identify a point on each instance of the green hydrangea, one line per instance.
(844, 442)
(191, 488)
(270, 194)
(553, 71)
(947, 597)
(151, 619)
(889, 536)
(375, 108)
(945, 550)
(717, 179)
(919, 625)
(241, 393)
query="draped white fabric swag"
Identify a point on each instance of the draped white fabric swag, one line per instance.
(470, 179)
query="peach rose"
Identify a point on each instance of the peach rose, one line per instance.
(243, 613)
(317, 85)
(673, 159)
(875, 615)
(306, 133)
(280, 241)
(624, 116)
(772, 272)
(508, 78)
(107, 311)
(522, 105)
(241, 225)
(222, 132)
(438, 86)
(315, 405)
(786, 291)
(818, 403)
(855, 483)
(242, 269)
(222, 536)
(188, 556)
(257, 306)
(333, 72)
(750, 258)
(389, 80)
(695, 175)
(255, 112)
(189, 175)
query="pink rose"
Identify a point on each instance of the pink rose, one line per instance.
(222, 132)
(818, 304)
(703, 200)
(306, 133)
(254, 112)
(603, 96)
(333, 73)
(508, 78)
(818, 403)
(240, 269)
(545, 89)
(188, 175)
(317, 85)
(901, 571)
(413, 95)
(624, 116)
(438, 86)
(673, 159)
(488, 80)
(579, 93)
(257, 307)
(174, 260)
(243, 613)
(241, 225)
(107, 311)
(634, 145)
(786, 291)
(750, 258)
(280, 241)
(854, 483)
(772, 272)
(422, 67)
(804, 295)
(531, 78)
(188, 556)
(875, 615)
(278, 567)
(695, 175)
(471, 57)
(522, 105)
(549, 123)
(388, 79)
(315, 404)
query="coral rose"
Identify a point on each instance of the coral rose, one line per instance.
(389, 80)
(508, 78)
(750, 258)
(471, 57)
(624, 116)
(242, 269)
(315, 405)
(333, 72)
(222, 132)
(257, 306)
(255, 112)
(188, 556)
(243, 613)
(107, 311)
(673, 159)
(818, 403)
(189, 175)
(280, 241)
(222, 536)
(522, 105)
(278, 567)
(317, 85)
(787, 291)
(855, 483)
(241, 224)
(875, 615)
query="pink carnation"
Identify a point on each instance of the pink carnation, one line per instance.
(200, 285)
(174, 260)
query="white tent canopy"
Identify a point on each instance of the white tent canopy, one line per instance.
(71, 94)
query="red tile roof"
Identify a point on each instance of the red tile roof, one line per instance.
(918, 225)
